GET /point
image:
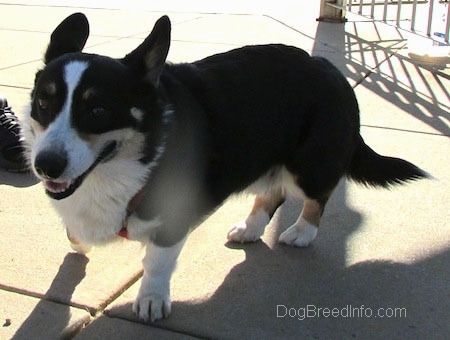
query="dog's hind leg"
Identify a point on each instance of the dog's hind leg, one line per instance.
(304, 230)
(252, 228)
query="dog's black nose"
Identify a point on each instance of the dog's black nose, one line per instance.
(50, 164)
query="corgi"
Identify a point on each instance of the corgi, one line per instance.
(144, 149)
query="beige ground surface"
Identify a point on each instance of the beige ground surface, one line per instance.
(377, 253)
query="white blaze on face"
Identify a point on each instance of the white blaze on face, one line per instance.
(61, 135)
(73, 72)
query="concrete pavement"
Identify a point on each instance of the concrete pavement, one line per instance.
(379, 267)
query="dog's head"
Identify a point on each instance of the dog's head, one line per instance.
(88, 110)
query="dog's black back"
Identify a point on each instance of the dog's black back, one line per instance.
(279, 105)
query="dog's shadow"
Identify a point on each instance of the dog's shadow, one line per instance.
(283, 291)
(51, 316)
(272, 291)
(296, 297)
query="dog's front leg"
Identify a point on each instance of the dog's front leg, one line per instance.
(153, 300)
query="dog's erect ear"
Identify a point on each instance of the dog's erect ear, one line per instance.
(70, 36)
(149, 58)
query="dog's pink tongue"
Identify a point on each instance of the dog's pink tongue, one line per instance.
(56, 187)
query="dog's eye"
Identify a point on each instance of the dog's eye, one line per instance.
(43, 104)
(98, 111)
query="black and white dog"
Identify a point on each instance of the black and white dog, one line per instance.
(140, 148)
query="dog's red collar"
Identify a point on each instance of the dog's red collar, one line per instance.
(131, 208)
(124, 231)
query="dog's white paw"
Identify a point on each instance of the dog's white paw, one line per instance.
(249, 230)
(81, 248)
(153, 300)
(301, 234)
(240, 232)
(76, 245)
(152, 307)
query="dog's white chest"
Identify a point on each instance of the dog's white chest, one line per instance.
(95, 212)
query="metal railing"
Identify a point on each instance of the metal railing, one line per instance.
(430, 18)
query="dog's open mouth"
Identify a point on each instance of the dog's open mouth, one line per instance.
(61, 190)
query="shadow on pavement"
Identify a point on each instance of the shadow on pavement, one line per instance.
(70, 274)
(293, 293)
(418, 90)
(279, 291)
(290, 292)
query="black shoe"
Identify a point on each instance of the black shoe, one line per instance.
(11, 149)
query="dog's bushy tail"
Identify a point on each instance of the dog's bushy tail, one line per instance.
(371, 169)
